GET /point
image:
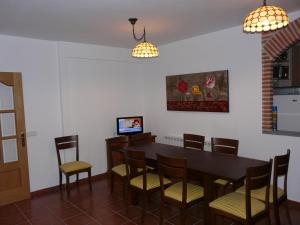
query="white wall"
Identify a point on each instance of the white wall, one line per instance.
(98, 84)
(241, 54)
(71, 88)
(37, 61)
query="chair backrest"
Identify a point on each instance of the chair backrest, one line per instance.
(140, 139)
(135, 160)
(256, 178)
(193, 141)
(281, 167)
(176, 170)
(114, 147)
(66, 142)
(224, 145)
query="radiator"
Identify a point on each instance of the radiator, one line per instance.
(178, 141)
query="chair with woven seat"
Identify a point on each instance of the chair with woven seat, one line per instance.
(145, 183)
(281, 164)
(224, 146)
(193, 141)
(179, 193)
(74, 167)
(141, 139)
(242, 207)
(116, 160)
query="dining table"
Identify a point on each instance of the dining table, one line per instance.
(205, 165)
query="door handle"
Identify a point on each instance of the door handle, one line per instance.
(23, 139)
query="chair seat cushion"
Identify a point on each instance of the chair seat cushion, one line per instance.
(260, 193)
(235, 204)
(152, 181)
(74, 166)
(221, 182)
(121, 169)
(194, 192)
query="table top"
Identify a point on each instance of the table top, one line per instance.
(204, 162)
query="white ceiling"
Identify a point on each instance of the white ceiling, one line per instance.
(105, 22)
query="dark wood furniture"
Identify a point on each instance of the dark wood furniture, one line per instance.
(116, 160)
(140, 139)
(180, 193)
(193, 141)
(208, 165)
(145, 183)
(281, 164)
(71, 168)
(244, 208)
(225, 146)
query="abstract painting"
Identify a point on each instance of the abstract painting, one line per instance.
(206, 92)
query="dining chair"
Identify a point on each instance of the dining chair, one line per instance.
(116, 160)
(74, 167)
(193, 141)
(281, 165)
(144, 184)
(179, 193)
(244, 208)
(140, 139)
(224, 146)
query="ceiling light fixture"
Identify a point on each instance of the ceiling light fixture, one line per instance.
(144, 49)
(266, 18)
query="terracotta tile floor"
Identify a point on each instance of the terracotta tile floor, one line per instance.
(99, 207)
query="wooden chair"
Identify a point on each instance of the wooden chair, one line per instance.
(71, 168)
(281, 164)
(225, 146)
(141, 139)
(145, 183)
(242, 207)
(116, 160)
(180, 193)
(193, 141)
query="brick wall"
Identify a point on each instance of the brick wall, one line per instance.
(273, 44)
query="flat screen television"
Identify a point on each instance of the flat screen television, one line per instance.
(129, 125)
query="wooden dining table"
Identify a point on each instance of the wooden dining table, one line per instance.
(206, 165)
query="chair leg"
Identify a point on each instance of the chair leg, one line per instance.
(144, 199)
(124, 189)
(90, 179)
(288, 212)
(112, 182)
(68, 184)
(213, 218)
(182, 216)
(161, 213)
(77, 179)
(60, 180)
(276, 214)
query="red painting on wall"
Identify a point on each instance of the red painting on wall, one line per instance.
(206, 92)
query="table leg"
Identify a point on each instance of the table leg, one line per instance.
(208, 197)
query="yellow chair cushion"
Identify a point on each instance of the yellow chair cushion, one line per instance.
(235, 204)
(260, 193)
(194, 192)
(152, 181)
(221, 182)
(121, 169)
(74, 166)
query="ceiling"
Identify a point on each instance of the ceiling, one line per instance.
(105, 22)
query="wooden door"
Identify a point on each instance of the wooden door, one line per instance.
(14, 180)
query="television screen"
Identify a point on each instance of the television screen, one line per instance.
(129, 125)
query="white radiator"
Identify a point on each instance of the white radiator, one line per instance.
(177, 140)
